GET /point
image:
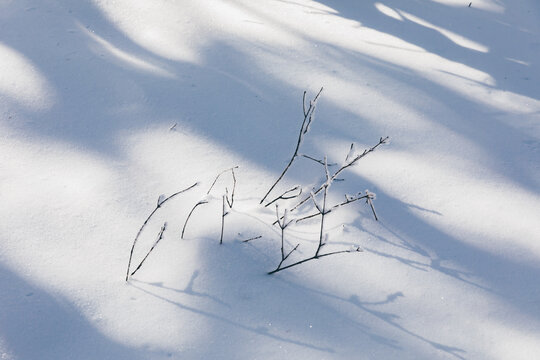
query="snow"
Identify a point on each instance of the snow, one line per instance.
(105, 105)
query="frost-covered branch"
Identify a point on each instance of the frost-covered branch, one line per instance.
(316, 160)
(350, 161)
(283, 222)
(223, 214)
(162, 200)
(348, 200)
(218, 176)
(306, 123)
(160, 236)
(322, 211)
(229, 200)
(201, 202)
(313, 258)
(286, 195)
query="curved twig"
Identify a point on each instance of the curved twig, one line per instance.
(159, 205)
(160, 236)
(202, 202)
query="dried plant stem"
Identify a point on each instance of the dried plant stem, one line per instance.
(311, 258)
(218, 176)
(370, 202)
(283, 225)
(202, 202)
(323, 213)
(160, 236)
(343, 167)
(346, 202)
(286, 196)
(231, 201)
(223, 214)
(159, 205)
(308, 117)
(317, 160)
(253, 238)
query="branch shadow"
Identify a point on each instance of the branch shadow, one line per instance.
(36, 324)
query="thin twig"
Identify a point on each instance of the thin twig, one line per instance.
(223, 214)
(312, 258)
(317, 160)
(159, 205)
(308, 116)
(217, 177)
(370, 202)
(286, 196)
(160, 236)
(346, 202)
(231, 202)
(202, 202)
(253, 238)
(323, 209)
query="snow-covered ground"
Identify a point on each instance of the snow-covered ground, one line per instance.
(89, 92)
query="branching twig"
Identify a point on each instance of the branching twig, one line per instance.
(347, 164)
(323, 212)
(221, 173)
(313, 258)
(159, 205)
(347, 201)
(283, 225)
(201, 202)
(286, 196)
(160, 236)
(308, 117)
(231, 201)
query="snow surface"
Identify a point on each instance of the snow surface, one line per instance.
(89, 95)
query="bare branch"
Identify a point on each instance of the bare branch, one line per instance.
(323, 213)
(231, 201)
(158, 206)
(283, 225)
(223, 214)
(308, 116)
(160, 236)
(316, 160)
(286, 196)
(343, 167)
(221, 173)
(347, 201)
(370, 202)
(202, 202)
(253, 238)
(311, 111)
(315, 202)
(311, 258)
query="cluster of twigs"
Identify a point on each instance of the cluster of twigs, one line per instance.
(318, 196)
(161, 201)
(227, 200)
(322, 208)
